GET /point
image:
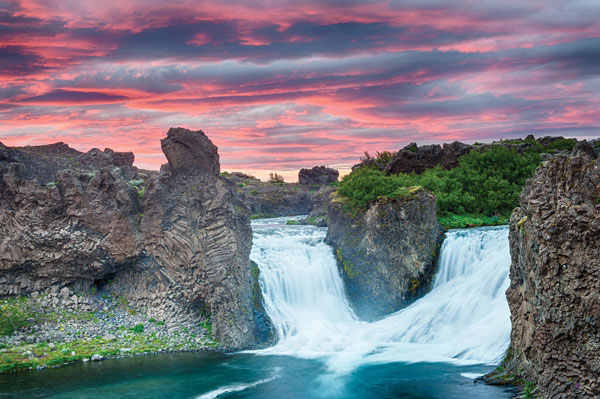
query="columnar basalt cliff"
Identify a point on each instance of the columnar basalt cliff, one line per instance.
(387, 254)
(554, 296)
(176, 244)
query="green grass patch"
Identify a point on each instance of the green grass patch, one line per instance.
(262, 216)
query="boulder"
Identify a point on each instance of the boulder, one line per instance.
(190, 152)
(410, 160)
(586, 148)
(102, 159)
(452, 152)
(318, 175)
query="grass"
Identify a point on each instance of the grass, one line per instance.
(262, 216)
(20, 312)
(17, 358)
(462, 221)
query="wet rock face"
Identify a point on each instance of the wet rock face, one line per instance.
(387, 254)
(318, 175)
(554, 296)
(175, 243)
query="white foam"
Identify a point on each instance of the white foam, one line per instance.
(236, 387)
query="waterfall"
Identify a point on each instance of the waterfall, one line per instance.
(464, 319)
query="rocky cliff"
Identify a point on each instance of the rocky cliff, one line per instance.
(176, 244)
(554, 296)
(270, 199)
(387, 254)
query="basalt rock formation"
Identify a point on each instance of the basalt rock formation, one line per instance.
(318, 175)
(554, 296)
(415, 159)
(387, 254)
(176, 244)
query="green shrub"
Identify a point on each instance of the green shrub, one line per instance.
(486, 183)
(14, 315)
(138, 328)
(275, 178)
(561, 144)
(253, 192)
(241, 185)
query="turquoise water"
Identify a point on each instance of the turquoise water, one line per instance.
(204, 375)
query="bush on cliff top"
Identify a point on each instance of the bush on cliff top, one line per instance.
(486, 183)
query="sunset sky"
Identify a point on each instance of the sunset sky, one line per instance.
(279, 85)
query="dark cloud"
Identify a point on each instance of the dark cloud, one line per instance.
(74, 97)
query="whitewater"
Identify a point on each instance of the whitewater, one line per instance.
(463, 320)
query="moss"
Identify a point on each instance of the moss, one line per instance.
(257, 299)
(413, 286)
(349, 269)
(262, 216)
(520, 224)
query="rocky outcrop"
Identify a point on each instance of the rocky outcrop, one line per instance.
(318, 175)
(175, 244)
(387, 254)
(190, 154)
(414, 159)
(267, 199)
(554, 296)
(452, 152)
(318, 215)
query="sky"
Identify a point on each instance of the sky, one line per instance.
(280, 85)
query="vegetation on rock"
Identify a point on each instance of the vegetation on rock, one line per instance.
(482, 190)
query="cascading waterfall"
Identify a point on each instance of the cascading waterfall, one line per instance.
(465, 318)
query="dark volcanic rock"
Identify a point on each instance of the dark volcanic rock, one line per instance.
(102, 159)
(176, 245)
(554, 295)
(57, 149)
(408, 160)
(320, 199)
(452, 152)
(368, 163)
(586, 148)
(278, 200)
(388, 254)
(318, 175)
(190, 152)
